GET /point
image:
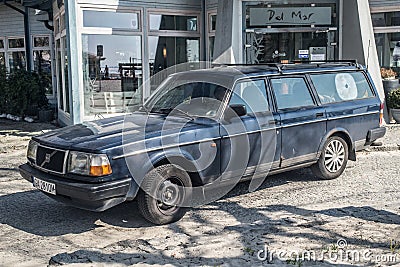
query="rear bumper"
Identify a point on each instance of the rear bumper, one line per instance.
(93, 197)
(375, 134)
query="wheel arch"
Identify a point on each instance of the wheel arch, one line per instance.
(345, 135)
(180, 158)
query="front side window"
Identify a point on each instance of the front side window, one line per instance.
(251, 94)
(291, 93)
(336, 87)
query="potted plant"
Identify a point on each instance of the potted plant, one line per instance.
(393, 102)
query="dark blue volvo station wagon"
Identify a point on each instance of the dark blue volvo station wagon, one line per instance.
(210, 129)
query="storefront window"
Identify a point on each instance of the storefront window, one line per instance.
(112, 71)
(107, 19)
(1, 44)
(165, 52)
(388, 47)
(285, 33)
(160, 22)
(388, 19)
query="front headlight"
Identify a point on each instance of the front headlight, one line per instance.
(89, 164)
(32, 149)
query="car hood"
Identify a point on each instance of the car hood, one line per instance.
(105, 134)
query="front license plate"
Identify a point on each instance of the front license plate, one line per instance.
(44, 186)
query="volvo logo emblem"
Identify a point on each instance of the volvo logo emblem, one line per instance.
(47, 159)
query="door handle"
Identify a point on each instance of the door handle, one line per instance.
(320, 115)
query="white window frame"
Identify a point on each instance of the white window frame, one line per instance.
(175, 33)
(46, 48)
(19, 49)
(3, 50)
(81, 30)
(210, 32)
(60, 37)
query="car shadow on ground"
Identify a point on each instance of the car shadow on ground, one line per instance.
(35, 213)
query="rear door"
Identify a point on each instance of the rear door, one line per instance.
(303, 122)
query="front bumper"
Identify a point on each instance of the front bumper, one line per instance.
(93, 197)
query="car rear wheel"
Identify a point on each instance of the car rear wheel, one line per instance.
(164, 193)
(333, 160)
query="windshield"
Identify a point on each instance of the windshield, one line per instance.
(193, 99)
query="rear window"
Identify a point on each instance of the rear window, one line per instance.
(345, 86)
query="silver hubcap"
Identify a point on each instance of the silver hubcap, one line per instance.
(169, 194)
(334, 156)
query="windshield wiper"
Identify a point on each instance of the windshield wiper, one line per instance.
(187, 114)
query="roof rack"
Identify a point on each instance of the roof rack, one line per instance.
(278, 66)
(350, 62)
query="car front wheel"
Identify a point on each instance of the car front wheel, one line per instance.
(165, 191)
(333, 160)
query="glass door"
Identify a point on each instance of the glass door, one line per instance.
(286, 46)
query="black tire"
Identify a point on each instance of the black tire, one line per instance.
(333, 159)
(165, 191)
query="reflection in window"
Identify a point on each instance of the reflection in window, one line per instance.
(42, 66)
(41, 41)
(251, 94)
(213, 23)
(388, 19)
(334, 87)
(173, 23)
(1, 44)
(17, 60)
(109, 19)
(388, 48)
(59, 75)
(291, 93)
(2, 59)
(196, 98)
(166, 52)
(111, 81)
(66, 81)
(16, 43)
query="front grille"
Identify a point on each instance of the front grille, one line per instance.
(50, 159)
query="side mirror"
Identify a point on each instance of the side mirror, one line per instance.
(240, 110)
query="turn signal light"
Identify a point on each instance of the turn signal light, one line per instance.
(100, 170)
(381, 114)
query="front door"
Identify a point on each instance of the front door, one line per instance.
(250, 144)
(303, 122)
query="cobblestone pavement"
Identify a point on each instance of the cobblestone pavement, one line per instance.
(291, 214)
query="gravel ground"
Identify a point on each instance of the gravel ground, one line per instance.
(290, 214)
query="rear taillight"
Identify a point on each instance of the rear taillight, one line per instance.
(381, 114)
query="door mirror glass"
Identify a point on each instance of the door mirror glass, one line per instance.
(240, 110)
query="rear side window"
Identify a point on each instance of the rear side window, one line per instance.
(291, 93)
(345, 86)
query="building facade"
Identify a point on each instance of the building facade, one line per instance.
(102, 53)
